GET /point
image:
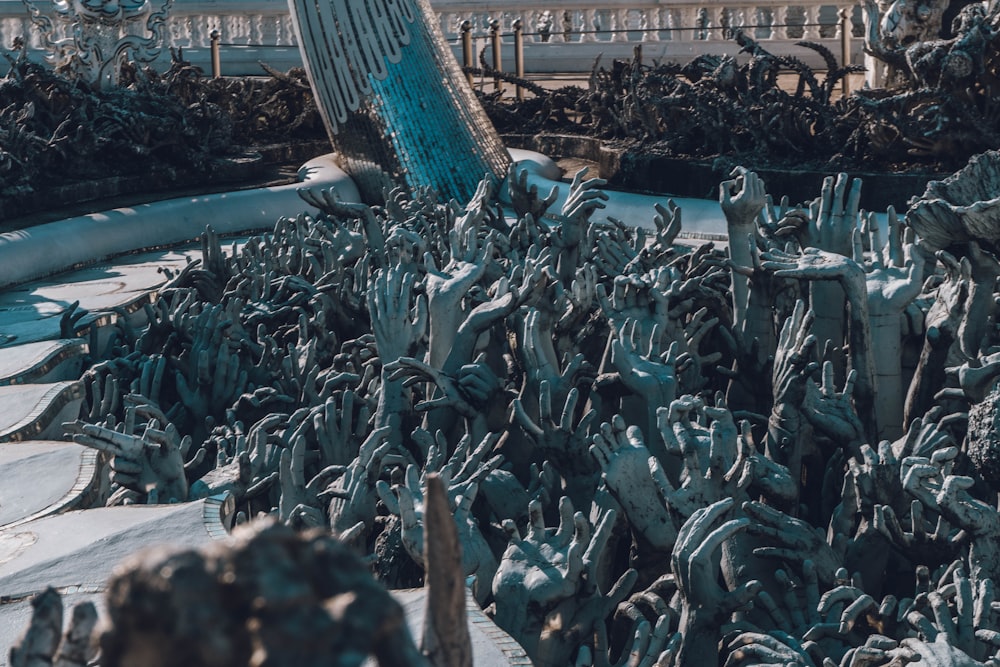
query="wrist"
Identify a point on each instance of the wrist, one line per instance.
(855, 287)
(742, 223)
(699, 629)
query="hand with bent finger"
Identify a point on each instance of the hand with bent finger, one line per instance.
(794, 540)
(716, 460)
(564, 442)
(955, 611)
(932, 483)
(778, 223)
(742, 198)
(942, 348)
(937, 653)
(248, 467)
(449, 394)
(353, 494)
(622, 455)
(705, 605)
(692, 363)
(539, 570)
(525, 198)
(927, 539)
(328, 200)
(407, 501)
(667, 222)
(151, 464)
(759, 649)
(798, 594)
(575, 619)
(845, 607)
(793, 363)
(813, 264)
(585, 197)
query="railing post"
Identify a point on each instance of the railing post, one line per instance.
(811, 28)
(619, 25)
(216, 57)
(466, 29)
(845, 48)
(497, 52)
(588, 32)
(519, 55)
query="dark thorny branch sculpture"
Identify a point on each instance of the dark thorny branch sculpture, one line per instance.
(55, 130)
(943, 112)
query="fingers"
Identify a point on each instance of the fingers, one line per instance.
(536, 522)
(564, 533)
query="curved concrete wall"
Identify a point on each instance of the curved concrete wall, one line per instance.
(50, 248)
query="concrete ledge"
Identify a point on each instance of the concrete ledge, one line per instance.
(47, 361)
(51, 248)
(645, 171)
(44, 477)
(225, 171)
(491, 646)
(702, 218)
(37, 411)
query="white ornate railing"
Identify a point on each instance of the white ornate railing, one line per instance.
(252, 30)
(705, 20)
(253, 22)
(245, 22)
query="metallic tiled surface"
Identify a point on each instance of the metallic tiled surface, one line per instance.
(420, 125)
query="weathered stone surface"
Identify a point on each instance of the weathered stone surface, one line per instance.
(43, 477)
(963, 207)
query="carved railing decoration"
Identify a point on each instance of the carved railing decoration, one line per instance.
(90, 39)
(681, 21)
(256, 30)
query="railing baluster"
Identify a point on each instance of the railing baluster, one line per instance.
(619, 24)
(781, 18)
(717, 22)
(651, 24)
(764, 18)
(688, 23)
(587, 28)
(811, 30)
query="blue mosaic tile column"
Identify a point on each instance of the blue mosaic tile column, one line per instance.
(420, 125)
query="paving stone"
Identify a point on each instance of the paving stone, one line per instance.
(41, 362)
(43, 477)
(37, 411)
(75, 552)
(491, 646)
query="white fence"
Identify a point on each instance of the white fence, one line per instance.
(577, 31)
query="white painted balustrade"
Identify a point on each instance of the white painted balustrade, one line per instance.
(577, 31)
(562, 21)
